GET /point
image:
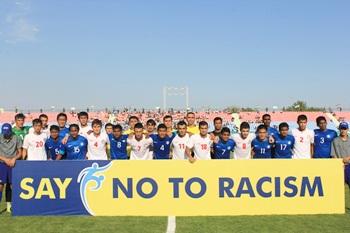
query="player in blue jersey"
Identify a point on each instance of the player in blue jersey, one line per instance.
(323, 139)
(261, 146)
(224, 146)
(284, 143)
(266, 119)
(162, 142)
(76, 146)
(118, 143)
(53, 145)
(62, 124)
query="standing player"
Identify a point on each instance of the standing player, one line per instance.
(76, 146)
(53, 145)
(192, 128)
(341, 149)
(97, 142)
(217, 127)
(323, 139)
(284, 143)
(139, 144)
(45, 129)
(180, 141)
(133, 120)
(304, 140)
(109, 128)
(266, 119)
(118, 143)
(200, 144)
(151, 126)
(261, 147)
(168, 122)
(243, 142)
(10, 152)
(19, 129)
(84, 128)
(34, 144)
(62, 124)
(225, 145)
(162, 142)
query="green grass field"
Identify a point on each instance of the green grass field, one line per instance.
(256, 224)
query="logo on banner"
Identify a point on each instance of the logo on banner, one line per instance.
(91, 179)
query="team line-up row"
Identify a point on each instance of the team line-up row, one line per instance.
(187, 141)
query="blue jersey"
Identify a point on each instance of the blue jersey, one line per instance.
(63, 132)
(54, 148)
(223, 149)
(272, 131)
(76, 148)
(262, 149)
(284, 146)
(118, 147)
(161, 146)
(323, 143)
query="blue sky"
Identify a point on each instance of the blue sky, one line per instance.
(121, 53)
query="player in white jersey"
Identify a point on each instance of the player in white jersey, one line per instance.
(200, 144)
(85, 129)
(180, 141)
(97, 142)
(45, 127)
(140, 144)
(34, 143)
(243, 142)
(304, 140)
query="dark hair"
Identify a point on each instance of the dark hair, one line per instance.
(319, 119)
(217, 119)
(54, 128)
(138, 126)
(108, 124)
(161, 126)
(167, 116)
(283, 125)
(181, 123)
(62, 114)
(189, 113)
(260, 127)
(133, 117)
(244, 125)
(266, 115)
(203, 123)
(20, 116)
(37, 121)
(151, 122)
(81, 114)
(225, 130)
(96, 122)
(43, 116)
(74, 126)
(119, 127)
(302, 118)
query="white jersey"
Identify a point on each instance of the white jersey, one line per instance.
(97, 146)
(45, 131)
(179, 146)
(303, 141)
(140, 149)
(201, 146)
(83, 131)
(243, 146)
(35, 146)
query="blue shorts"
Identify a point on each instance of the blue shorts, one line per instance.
(347, 174)
(5, 174)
